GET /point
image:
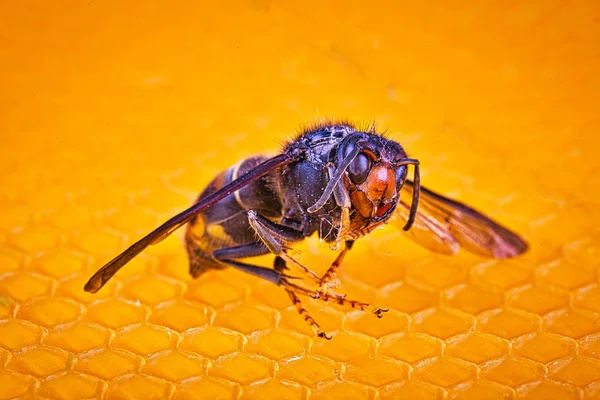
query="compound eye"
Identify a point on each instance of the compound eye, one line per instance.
(401, 173)
(359, 168)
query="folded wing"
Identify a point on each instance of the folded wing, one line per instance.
(444, 226)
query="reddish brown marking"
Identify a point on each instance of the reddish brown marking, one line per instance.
(383, 209)
(379, 188)
(378, 181)
(302, 311)
(361, 203)
(295, 290)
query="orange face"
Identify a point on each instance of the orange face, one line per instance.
(377, 195)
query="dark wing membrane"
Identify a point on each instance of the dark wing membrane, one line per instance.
(106, 272)
(444, 225)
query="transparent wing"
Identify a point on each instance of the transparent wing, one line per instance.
(444, 225)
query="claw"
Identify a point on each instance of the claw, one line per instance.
(379, 312)
(323, 335)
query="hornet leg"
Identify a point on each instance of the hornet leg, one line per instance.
(330, 273)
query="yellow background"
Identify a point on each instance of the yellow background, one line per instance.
(114, 116)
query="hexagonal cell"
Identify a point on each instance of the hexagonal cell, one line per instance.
(438, 273)
(143, 339)
(190, 179)
(73, 288)
(329, 319)
(164, 202)
(71, 217)
(410, 347)
(275, 344)
(39, 361)
(576, 371)
(130, 189)
(133, 220)
(538, 300)
(94, 196)
(412, 390)
(175, 365)
(245, 318)
(77, 337)
(363, 322)
(69, 386)
(205, 388)
(566, 275)
(501, 274)
(211, 341)
(381, 270)
(107, 364)
(14, 385)
(60, 264)
(476, 347)
(543, 347)
(17, 217)
(242, 368)
(16, 334)
(583, 251)
(308, 370)
(24, 286)
(180, 316)
(572, 323)
(344, 347)
(473, 299)
(445, 371)
(150, 290)
(45, 201)
(539, 209)
(36, 241)
(512, 372)
(376, 371)
(273, 389)
(174, 266)
(442, 323)
(10, 260)
(409, 299)
(7, 307)
(590, 345)
(481, 389)
(114, 313)
(4, 356)
(138, 387)
(169, 247)
(508, 324)
(98, 241)
(50, 311)
(213, 291)
(592, 391)
(589, 298)
(548, 389)
(342, 390)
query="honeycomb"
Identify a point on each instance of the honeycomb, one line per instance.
(115, 115)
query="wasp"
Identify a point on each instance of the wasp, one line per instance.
(334, 180)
